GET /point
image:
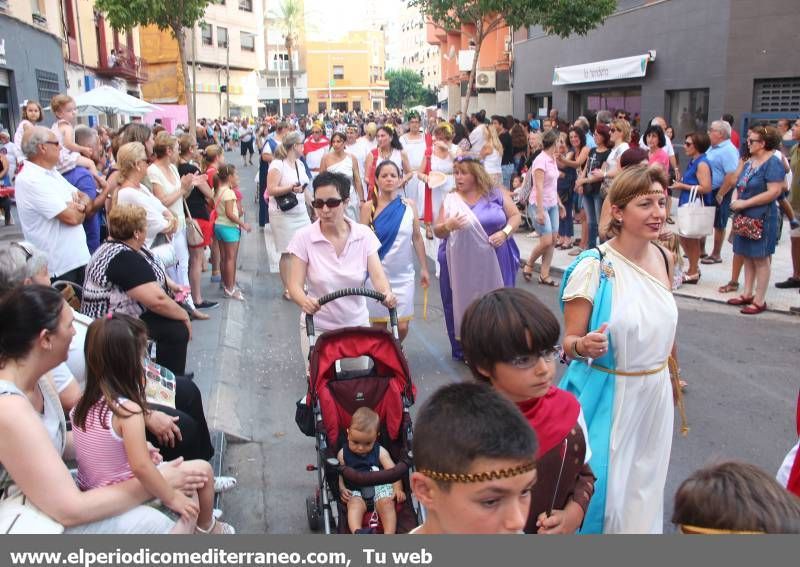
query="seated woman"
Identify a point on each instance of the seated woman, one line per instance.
(123, 276)
(36, 327)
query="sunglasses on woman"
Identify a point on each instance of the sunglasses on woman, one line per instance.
(331, 203)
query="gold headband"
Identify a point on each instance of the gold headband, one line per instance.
(643, 193)
(480, 477)
(689, 529)
(446, 126)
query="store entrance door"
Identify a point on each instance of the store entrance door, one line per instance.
(5, 102)
(628, 99)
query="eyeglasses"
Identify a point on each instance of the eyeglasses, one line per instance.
(527, 361)
(754, 141)
(688, 144)
(613, 130)
(331, 203)
(25, 250)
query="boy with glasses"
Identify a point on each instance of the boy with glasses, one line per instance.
(508, 337)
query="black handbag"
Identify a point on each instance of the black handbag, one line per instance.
(287, 201)
(304, 417)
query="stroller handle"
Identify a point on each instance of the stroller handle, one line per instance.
(370, 293)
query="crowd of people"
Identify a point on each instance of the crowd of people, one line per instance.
(130, 220)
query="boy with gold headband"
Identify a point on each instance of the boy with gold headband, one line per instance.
(474, 454)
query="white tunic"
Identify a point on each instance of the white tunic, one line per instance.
(642, 331)
(399, 266)
(345, 167)
(415, 149)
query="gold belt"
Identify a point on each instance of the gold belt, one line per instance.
(621, 373)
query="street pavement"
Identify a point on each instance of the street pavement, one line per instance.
(743, 379)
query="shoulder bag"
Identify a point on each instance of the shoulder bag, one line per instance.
(194, 234)
(288, 201)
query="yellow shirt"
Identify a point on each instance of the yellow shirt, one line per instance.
(226, 195)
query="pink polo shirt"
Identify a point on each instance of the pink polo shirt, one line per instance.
(548, 165)
(327, 272)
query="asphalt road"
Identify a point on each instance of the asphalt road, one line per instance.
(743, 376)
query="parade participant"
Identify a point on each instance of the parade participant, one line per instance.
(735, 498)
(789, 472)
(478, 253)
(620, 320)
(334, 253)
(755, 224)
(363, 453)
(509, 339)
(474, 459)
(228, 228)
(697, 176)
(339, 161)
(415, 144)
(31, 115)
(388, 148)
(358, 148)
(545, 208)
(71, 154)
(315, 146)
(395, 222)
(287, 177)
(36, 326)
(109, 425)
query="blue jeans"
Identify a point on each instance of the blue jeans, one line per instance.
(565, 225)
(508, 172)
(592, 204)
(550, 225)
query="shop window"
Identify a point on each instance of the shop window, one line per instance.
(340, 106)
(776, 95)
(222, 36)
(248, 41)
(47, 85)
(322, 106)
(687, 112)
(356, 106)
(376, 105)
(207, 34)
(338, 72)
(627, 99)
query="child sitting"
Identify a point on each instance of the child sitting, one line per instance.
(508, 338)
(474, 455)
(109, 427)
(363, 454)
(735, 498)
(71, 155)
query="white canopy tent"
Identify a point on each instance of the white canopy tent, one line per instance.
(108, 100)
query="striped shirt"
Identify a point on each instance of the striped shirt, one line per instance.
(101, 456)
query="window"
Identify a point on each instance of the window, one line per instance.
(206, 33)
(322, 106)
(687, 111)
(535, 103)
(776, 95)
(248, 41)
(628, 99)
(47, 84)
(222, 36)
(246, 5)
(338, 72)
(356, 106)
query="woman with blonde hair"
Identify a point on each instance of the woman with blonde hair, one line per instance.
(620, 320)
(477, 254)
(492, 156)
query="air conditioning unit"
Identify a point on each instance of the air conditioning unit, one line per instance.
(485, 80)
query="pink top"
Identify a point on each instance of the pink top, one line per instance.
(547, 164)
(661, 158)
(327, 272)
(101, 456)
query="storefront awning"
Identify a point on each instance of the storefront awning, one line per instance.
(610, 70)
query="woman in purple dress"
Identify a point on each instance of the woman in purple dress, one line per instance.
(477, 253)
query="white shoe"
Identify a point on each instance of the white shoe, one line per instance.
(224, 483)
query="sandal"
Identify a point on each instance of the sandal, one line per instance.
(729, 287)
(235, 293)
(528, 275)
(224, 483)
(692, 280)
(741, 300)
(711, 260)
(548, 281)
(224, 529)
(754, 309)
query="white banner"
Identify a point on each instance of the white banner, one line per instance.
(610, 70)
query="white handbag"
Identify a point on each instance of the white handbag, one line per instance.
(19, 516)
(695, 219)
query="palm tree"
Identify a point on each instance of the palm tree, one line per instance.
(290, 18)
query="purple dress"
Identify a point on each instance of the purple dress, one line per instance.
(490, 214)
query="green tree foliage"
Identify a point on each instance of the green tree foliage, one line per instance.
(406, 89)
(558, 17)
(174, 15)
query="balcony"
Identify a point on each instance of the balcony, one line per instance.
(127, 66)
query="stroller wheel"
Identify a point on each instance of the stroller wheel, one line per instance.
(313, 513)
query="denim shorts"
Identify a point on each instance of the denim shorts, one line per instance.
(723, 212)
(225, 233)
(550, 225)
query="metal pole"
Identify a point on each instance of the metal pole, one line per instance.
(279, 62)
(194, 75)
(228, 77)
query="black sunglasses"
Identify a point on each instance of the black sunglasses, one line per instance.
(331, 203)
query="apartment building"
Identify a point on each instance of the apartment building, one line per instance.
(31, 57)
(348, 74)
(274, 91)
(408, 48)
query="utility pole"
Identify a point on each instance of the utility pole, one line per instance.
(279, 64)
(194, 76)
(228, 77)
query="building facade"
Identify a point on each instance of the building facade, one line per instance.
(492, 91)
(26, 73)
(274, 88)
(408, 48)
(347, 75)
(685, 60)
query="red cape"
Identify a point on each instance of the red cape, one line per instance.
(794, 476)
(311, 146)
(552, 417)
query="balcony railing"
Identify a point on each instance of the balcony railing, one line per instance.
(125, 65)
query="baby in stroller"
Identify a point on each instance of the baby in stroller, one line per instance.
(364, 454)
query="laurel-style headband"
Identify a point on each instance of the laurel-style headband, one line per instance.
(480, 477)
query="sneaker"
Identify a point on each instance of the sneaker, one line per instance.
(224, 483)
(789, 283)
(207, 305)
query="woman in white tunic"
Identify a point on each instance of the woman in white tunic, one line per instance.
(388, 148)
(620, 319)
(340, 161)
(414, 145)
(287, 175)
(396, 225)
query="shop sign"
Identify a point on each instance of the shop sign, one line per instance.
(610, 70)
